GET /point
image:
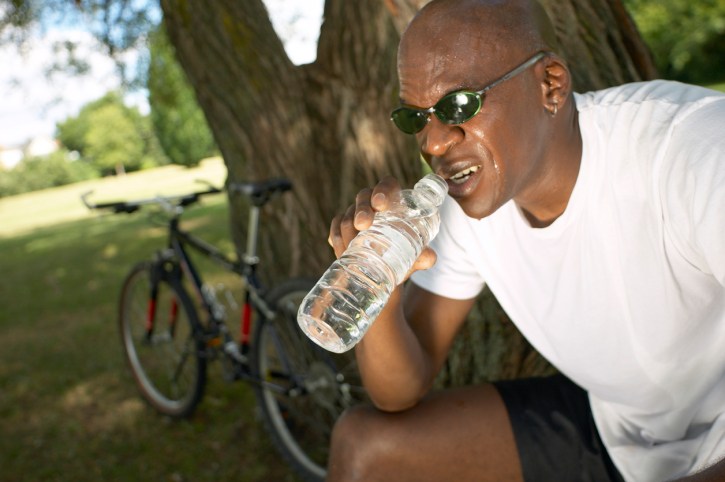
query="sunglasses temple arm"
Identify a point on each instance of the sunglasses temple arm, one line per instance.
(514, 72)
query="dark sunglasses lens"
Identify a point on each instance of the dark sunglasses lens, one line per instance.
(409, 120)
(458, 107)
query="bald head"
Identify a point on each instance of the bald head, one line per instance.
(493, 29)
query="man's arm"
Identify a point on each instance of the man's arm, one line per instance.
(404, 349)
(407, 344)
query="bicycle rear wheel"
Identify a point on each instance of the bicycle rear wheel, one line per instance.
(157, 323)
(305, 388)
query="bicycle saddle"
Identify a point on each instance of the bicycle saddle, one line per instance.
(260, 192)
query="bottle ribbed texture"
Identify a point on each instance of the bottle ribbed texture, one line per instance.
(352, 292)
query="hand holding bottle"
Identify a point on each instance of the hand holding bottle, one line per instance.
(352, 292)
(360, 215)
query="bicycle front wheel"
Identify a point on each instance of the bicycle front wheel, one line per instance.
(157, 323)
(304, 388)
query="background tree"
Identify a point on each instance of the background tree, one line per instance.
(687, 38)
(177, 120)
(112, 143)
(111, 137)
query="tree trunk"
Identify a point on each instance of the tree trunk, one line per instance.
(325, 126)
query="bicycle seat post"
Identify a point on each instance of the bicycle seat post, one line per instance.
(250, 256)
(258, 193)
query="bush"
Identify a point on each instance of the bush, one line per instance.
(43, 172)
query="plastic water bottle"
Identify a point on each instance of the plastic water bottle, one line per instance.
(352, 292)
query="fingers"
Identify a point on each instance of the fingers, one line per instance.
(360, 215)
(364, 213)
(384, 193)
(342, 231)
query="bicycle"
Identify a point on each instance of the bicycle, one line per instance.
(169, 338)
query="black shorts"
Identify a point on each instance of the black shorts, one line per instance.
(555, 431)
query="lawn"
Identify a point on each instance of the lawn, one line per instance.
(720, 86)
(68, 408)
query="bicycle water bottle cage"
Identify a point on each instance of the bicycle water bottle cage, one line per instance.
(259, 193)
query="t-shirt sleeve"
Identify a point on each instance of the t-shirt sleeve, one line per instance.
(694, 187)
(454, 274)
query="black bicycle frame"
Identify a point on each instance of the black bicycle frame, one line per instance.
(179, 239)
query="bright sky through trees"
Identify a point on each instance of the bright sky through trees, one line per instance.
(32, 102)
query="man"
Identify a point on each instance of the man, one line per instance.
(597, 220)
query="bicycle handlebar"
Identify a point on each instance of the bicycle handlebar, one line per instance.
(168, 203)
(259, 193)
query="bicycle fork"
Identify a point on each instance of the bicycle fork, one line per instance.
(155, 277)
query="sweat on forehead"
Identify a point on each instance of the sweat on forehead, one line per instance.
(488, 27)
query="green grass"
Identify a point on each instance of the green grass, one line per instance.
(720, 86)
(68, 408)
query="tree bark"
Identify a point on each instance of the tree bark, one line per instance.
(325, 126)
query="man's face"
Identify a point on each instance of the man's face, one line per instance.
(493, 157)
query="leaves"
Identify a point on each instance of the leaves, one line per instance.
(177, 120)
(111, 137)
(686, 37)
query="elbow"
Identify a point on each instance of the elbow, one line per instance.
(398, 395)
(398, 401)
(393, 406)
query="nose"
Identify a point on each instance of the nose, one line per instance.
(437, 138)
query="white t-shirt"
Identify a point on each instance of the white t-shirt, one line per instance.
(625, 292)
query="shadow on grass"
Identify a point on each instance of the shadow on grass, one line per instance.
(68, 408)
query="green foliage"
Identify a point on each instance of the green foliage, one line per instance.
(112, 140)
(43, 172)
(72, 132)
(178, 121)
(687, 38)
(105, 137)
(111, 136)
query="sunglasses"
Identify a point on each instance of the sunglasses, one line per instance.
(454, 108)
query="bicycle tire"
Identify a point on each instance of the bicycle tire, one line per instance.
(318, 385)
(168, 366)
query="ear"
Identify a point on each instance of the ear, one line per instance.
(555, 84)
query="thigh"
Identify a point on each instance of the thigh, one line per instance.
(461, 434)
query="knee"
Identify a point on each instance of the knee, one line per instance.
(357, 445)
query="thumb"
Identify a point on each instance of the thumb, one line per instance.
(426, 260)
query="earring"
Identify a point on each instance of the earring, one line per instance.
(553, 111)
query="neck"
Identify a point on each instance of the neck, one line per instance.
(559, 172)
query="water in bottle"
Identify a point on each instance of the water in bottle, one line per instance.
(352, 292)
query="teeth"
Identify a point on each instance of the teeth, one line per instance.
(461, 177)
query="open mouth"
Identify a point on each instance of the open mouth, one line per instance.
(462, 176)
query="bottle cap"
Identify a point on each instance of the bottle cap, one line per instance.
(434, 187)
